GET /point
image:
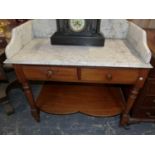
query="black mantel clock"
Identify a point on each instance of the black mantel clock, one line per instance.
(78, 32)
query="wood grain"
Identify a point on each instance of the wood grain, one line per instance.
(81, 74)
(95, 100)
(50, 73)
(80, 96)
(109, 75)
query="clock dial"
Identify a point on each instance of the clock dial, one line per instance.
(77, 25)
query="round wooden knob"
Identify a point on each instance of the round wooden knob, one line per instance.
(141, 78)
(109, 76)
(49, 73)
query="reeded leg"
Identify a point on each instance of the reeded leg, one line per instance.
(28, 92)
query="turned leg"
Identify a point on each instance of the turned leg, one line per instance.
(28, 92)
(131, 100)
(133, 96)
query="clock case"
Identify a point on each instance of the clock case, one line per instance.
(90, 35)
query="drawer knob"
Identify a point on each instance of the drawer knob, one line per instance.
(109, 77)
(141, 78)
(49, 73)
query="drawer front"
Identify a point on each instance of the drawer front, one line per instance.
(151, 87)
(145, 113)
(50, 73)
(150, 114)
(149, 102)
(152, 71)
(110, 75)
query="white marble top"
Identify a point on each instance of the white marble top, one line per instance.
(115, 53)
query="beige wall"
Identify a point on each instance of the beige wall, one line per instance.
(145, 23)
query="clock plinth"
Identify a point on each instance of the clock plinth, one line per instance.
(94, 40)
(70, 32)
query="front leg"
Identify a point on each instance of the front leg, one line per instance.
(133, 96)
(28, 92)
(131, 100)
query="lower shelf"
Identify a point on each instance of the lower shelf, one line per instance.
(95, 100)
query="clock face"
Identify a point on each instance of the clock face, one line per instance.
(77, 25)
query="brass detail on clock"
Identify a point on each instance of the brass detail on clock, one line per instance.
(78, 32)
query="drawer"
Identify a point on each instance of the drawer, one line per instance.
(149, 102)
(145, 113)
(152, 71)
(50, 73)
(150, 114)
(151, 87)
(110, 75)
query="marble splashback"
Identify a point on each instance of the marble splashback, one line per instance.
(21, 36)
(43, 27)
(138, 40)
(111, 28)
(114, 28)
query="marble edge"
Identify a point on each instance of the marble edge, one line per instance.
(8, 61)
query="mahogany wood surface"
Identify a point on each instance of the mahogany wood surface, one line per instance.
(81, 74)
(110, 75)
(95, 100)
(79, 97)
(28, 92)
(50, 73)
(133, 96)
(150, 88)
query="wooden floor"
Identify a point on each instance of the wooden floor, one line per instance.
(95, 100)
